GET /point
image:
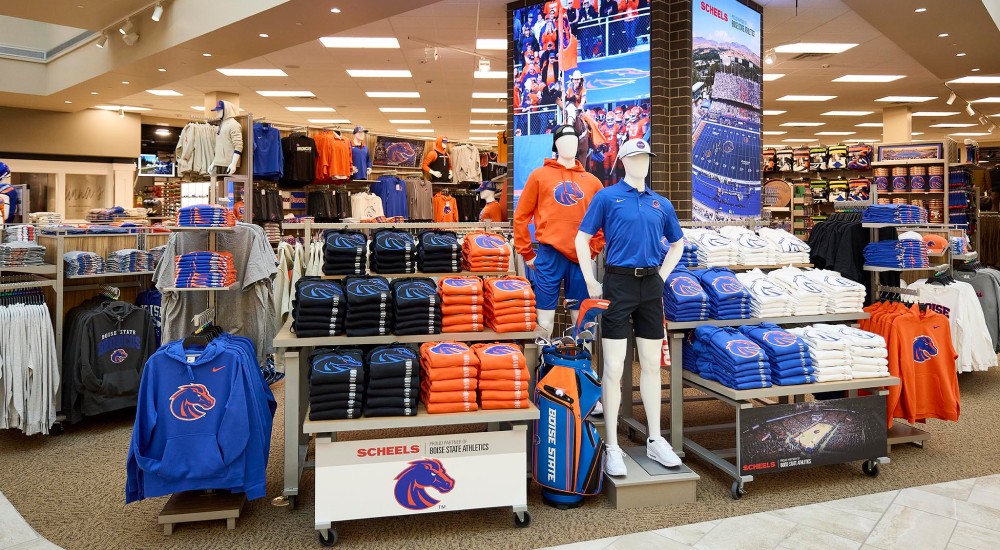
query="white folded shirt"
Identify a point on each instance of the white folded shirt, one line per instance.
(831, 377)
(864, 374)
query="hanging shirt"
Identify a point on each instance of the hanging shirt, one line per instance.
(988, 292)
(366, 205)
(361, 160)
(445, 208)
(420, 199)
(392, 191)
(268, 159)
(299, 155)
(970, 335)
(333, 157)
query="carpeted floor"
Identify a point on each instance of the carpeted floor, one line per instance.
(70, 489)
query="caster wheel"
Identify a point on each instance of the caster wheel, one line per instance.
(522, 519)
(56, 429)
(737, 491)
(330, 539)
(870, 468)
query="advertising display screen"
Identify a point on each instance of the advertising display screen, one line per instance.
(726, 101)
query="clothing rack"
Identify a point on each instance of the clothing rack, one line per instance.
(851, 206)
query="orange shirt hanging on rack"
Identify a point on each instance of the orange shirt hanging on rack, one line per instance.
(445, 208)
(333, 157)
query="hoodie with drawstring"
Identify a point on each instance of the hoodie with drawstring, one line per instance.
(122, 337)
(229, 137)
(438, 161)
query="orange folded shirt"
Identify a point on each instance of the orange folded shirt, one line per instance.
(462, 309)
(503, 385)
(449, 286)
(499, 395)
(504, 374)
(462, 299)
(449, 396)
(504, 404)
(439, 408)
(499, 356)
(468, 327)
(504, 309)
(449, 373)
(465, 318)
(482, 243)
(446, 354)
(455, 384)
(502, 289)
(511, 327)
(514, 318)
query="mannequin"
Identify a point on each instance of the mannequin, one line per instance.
(436, 163)
(555, 198)
(360, 160)
(634, 219)
(228, 139)
(492, 211)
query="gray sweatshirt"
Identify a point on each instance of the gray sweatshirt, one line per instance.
(229, 138)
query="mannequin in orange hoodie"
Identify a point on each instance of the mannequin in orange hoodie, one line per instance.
(437, 166)
(555, 198)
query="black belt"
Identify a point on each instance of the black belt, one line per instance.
(633, 271)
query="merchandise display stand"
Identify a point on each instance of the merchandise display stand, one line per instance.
(308, 226)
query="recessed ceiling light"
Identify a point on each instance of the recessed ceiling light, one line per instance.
(162, 70)
(869, 78)
(906, 98)
(198, 107)
(491, 43)
(773, 133)
(943, 35)
(162, 132)
(976, 70)
(67, 102)
(993, 99)
(411, 95)
(770, 77)
(488, 122)
(976, 80)
(869, 125)
(119, 108)
(334, 10)
(970, 134)
(125, 82)
(388, 42)
(916, 133)
(847, 113)
(960, 54)
(263, 35)
(206, 54)
(252, 72)
(285, 93)
(953, 125)
(807, 97)
(379, 73)
(861, 141)
(768, 112)
(311, 109)
(329, 121)
(835, 133)
(402, 109)
(814, 47)
(934, 113)
(490, 74)
(171, 93)
(799, 140)
(93, 93)
(492, 111)
(489, 95)
(803, 124)
(482, 131)
(408, 121)
(415, 130)
(920, 10)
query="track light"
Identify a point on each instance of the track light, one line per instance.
(129, 34)
(952, 98)
(769, 57)
(983, 120)
(121, 112)
(992, 128)
(158, 11)
(103, 40)
(969, 109)
(127, 27)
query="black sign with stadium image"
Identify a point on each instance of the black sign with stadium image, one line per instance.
(802, 435)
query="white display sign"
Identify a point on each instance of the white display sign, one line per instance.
(418, 475)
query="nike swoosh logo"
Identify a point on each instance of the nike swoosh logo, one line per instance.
(620, 200)
(217, 369)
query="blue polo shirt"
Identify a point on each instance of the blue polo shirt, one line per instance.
(633, 225)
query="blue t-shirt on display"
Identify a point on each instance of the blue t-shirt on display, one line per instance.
(361, 160)
(633, 225)
(392, 191)
(268, 159)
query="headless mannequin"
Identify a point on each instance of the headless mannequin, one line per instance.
(614, 350)
(435, 173)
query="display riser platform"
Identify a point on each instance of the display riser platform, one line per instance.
(640, 488)
(195, 506)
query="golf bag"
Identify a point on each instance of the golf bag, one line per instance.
(568, 453)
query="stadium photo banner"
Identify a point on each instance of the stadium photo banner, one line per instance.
(726, 102)
(398, 152)
(802, 435)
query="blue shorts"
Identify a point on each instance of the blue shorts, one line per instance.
(551, 269)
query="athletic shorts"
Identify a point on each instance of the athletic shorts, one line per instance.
(637, 298)
(551, 270)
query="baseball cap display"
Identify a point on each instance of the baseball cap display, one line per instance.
(635, 147)
(360, 129)
(564, 130)
(489, 186)
(219, 106)
(936, 244)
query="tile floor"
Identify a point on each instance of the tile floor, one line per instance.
(958, 515)
(16, 534)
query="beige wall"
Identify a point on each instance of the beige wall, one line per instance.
(90, 132)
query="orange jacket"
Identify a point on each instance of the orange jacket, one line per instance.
(445, 208)
(555, 199)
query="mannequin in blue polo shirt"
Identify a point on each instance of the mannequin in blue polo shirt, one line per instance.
(634, 220)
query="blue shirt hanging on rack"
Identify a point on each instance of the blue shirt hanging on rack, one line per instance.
(361, 160)
(268, 160)
(392, 191)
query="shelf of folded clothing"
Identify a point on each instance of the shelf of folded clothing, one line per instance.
(422, 420)
(108, 274)
(910, 226)
(752, 267)
(799, 319)
(287, 339)
(879, 268)
(693, 379)
(928, 192)
(421, 274)
(224, 228)
(908, 162)
(969, 256)
(199, 288)
(45, 269)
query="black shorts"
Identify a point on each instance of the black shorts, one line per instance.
(636, 298)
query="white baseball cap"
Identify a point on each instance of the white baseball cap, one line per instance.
(635, 147)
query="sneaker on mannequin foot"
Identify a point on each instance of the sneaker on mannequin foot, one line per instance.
(659, 450)
(598, 410)
(615, 465)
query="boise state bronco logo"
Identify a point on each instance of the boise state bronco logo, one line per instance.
(743, 348)
(923, 349)
(779, 338)
(191, 402)
(511, 286)
(336, 364)
(449, 348)
(413, 482)
(727, 285)
(319, 291)
(568, 193)
(118, 356)
(685, 286)
(459, 283)
(490, 241)
(502, 350)
(367, 287)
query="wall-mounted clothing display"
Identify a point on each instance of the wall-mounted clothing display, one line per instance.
(195, 150)
(267, 206)
(393, 192)
(420, 199)
(299, 155)
(29, 369)
(333, 157)
(268, 155)
(469, 206)
(465, 164)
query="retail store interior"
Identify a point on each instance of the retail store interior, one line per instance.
(493, 274)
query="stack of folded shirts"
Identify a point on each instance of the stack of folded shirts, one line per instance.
(751, 249)
(713, 248)
(369, 306)
(156, 254)
(690, 256)
(105, 214)
(393, 381)
(18, 233)
(486, 252)
(845, 295)
(79, 263)
(20, 254)
(128, 260)
(462, 302)
(894, 214)
(729, 358)
(510, 304)
(683, 297)
(273, 232)
(449, 377)
(45, 218)
(319, 308)
(393, 251)
(788, 249)
(831, 355)
(727, 299)
(336, 384)
(767, 298)
(205, 269)
(205, 215)
(808, 298)
(787, 354)
(903, 253)
(439, 252)
(869, 356)
(503, 376)
(416, 306)
(344, 253)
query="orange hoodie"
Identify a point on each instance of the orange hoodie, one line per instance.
(555, 199)
(437, 160)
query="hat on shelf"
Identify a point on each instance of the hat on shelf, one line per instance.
(936, 244)
(489, 186)
(560, 131)
(635, 147)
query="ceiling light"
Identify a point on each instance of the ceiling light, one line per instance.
(388, 42)
(162, 132)
(402, 109)
(103, 40)
(67, 102)
(489, 95)
(93, 93)
(488, 122)
(495, 111)
(807, 97)
(121, 113)
(976, 80)
(916, 133)
(311, 109)
(982, 120)
(943, 35)
(952, 125)
(861, 141)
(869, 125)
(869, 78)
(126, 82)
(129, 35)
(960, 54)
(198, 107)
(799, 140)
(263, 35)
(491, 44)
(835, 133)
(127, 27)
(285, 93)
(992, 128)
(934, 113)
(206, 54)
(379, 73)
(768, 113)
(773, 133)
(951, 98)
(482, 131)
(329, 121)
(906, 98)
(490, 74)
(976, 70)
(415, 130)
(165, 92)
(770, 57)
(162, 70)
(770, 77)
(993, 99)
(803, 124)
(814, 47)
(411, 95)
(847, 113)
(157, 12)
(920, 10)
(334, 10)
(969, 109)
(119, 107)
(408, 121)
(970, 134)
(252, 72)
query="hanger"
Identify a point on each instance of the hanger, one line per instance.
(203, 335)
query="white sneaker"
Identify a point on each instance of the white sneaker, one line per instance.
(659, 450)
(598, 410)
(615, 465)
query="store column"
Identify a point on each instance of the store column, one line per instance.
(897, 124)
